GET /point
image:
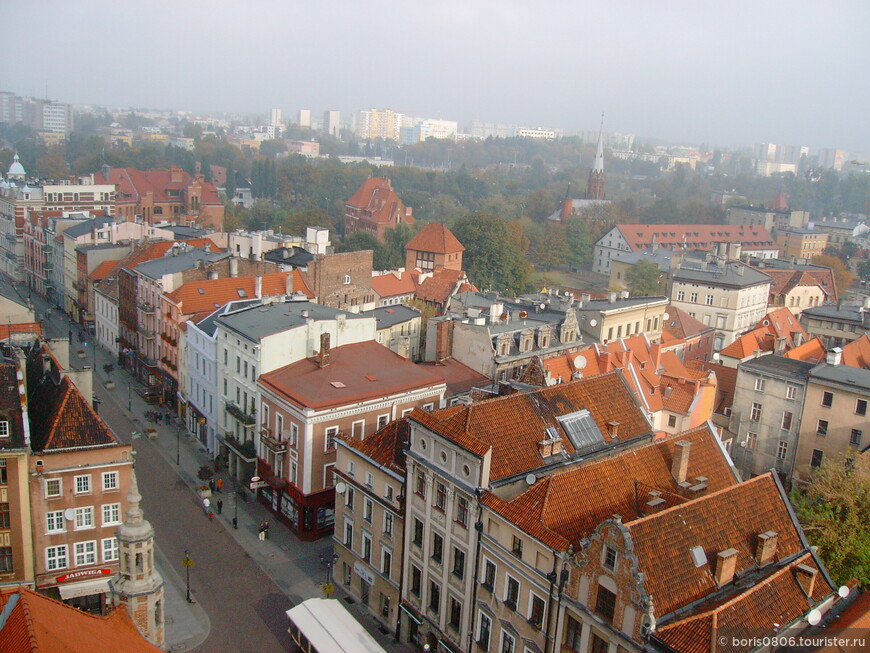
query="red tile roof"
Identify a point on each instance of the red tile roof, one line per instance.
(786, 280)
(777, 598)
(726, 382)
(387, 446)
(682, 326)
(36, 623)
(435, 237)
(103, 270)
(392, 284)
(695, 236)
(61, 418)
(565, 507)
(379, 202)
(778, 323)
(135, 184)
(438, 288)
(511, 426)
(7, 330)
(857, 352)
(663, 541)
(812, 351)
(199, 296)
(355, 373)
(459, 377)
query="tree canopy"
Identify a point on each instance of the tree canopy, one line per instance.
(644, 279)
(493, 253)
(833, 510)
(842, 276)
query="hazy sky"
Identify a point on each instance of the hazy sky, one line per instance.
(720, 73)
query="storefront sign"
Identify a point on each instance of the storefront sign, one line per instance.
(84, 573)
(364, 573)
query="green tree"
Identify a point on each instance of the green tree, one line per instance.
(493, 254)
(360, 241)
(864, 269)
(52, 166)
(644, 279)
(540, 204)
(578, 237)
(549, 248)
(833, 510)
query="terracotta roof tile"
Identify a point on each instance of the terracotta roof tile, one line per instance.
(663, 541)
(786, 280)
(459, 377)
(565, 507)
(355, 373)
(198, 296)
(103, 270)
(812, 351)
(387, 446)
(435, 237)
(61, 418)
(695, 236)
(134, 184)
(37, 623)
(726, 382)
(857, 352)
(513, 425)
(376, 197)
(680, 325)
(440, 286)
(775, 599)
(6, 330)
(390, 285)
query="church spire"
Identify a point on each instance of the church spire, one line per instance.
(134, 512)
(595, 185)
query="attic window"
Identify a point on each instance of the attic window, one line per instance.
(201, 291)
(337, 384)
(698, 556)
(242, 292)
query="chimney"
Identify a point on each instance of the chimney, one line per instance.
(765, 547)
(779, 348)
(726, 565)
(289, 282)
(655, 354)
(806, 578)
(258, 286)
(835, 356)
(234, 267)
(176, 175)
(680, 464)
(797, 338)
(323, 355)
(443, 339)
(605, 361)
(613, 429)
(611, 297)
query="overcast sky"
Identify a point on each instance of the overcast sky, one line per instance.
(723, 73)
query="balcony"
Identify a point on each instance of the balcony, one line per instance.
(244, 450)
(270, 442)
(48, 248)
(148, 335)
(237, 412)
(146, 308)
(78, 286)
(48, 266)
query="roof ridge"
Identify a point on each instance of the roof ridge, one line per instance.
(730, 488)
(55, 418)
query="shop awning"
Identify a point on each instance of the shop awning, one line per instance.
(84, 588)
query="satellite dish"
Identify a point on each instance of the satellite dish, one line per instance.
(523, 315)
(666, 316)
(716, 356)
(843, 591)
(814, 617)
(593, 322)
(255, 479)
(543, 306)
(69, 514)
(503, 317)
(531, 478)
(580, 362)
(340, 488)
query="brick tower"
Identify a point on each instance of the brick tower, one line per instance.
(138, 585)
(595, 185)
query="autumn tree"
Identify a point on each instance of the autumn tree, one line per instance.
(52, 166)
(842, 276)
(493, 255)
(644, 279)
(549, 246)
(833, 510)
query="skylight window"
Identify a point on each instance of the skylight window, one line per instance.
(241, 292)
(337, 384)
(581, 429)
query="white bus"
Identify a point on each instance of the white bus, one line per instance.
(326, 626)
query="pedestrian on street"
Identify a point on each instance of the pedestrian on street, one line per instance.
(220, 506)
(266, 529)
(205, 504)
(211, 484)
(210, 515)
(220, 485)
(262, 532)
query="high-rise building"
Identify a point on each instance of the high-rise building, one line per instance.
(378, 123)
(304, 118)
(275, 118)
(332, 122)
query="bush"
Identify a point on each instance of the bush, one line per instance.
(205, 472)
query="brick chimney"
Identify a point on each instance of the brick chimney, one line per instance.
(258, 286)
(680, 464)
(443, 339)
(806, 578)
(176, 175)
(322, 356)
(765, 547)
(613, 430)
(605, 361)
(726, 565)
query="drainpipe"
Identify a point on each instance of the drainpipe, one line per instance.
(401, 500)
(552, 578)
(478, 527)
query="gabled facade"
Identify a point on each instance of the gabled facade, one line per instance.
(374, 208)
(435, 246)
(837, 325)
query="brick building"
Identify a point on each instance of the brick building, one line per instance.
(435, 246)
(374, 208)
(343, 281)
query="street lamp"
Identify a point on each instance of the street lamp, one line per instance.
(129, 396)
(187, 561)
(329, 561)
(178, 444)
(235, 503)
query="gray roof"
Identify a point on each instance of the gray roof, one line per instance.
(659, 256)
(778, 365)
(799, 230)
(856, 377)
(208, 325)
(260, 321)
(182, 231)
(387, 316)
(619, 303)
(832, 312)
(86, 226)
(726, 275)
(782, 264)
(295, 256)
(179, 261)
